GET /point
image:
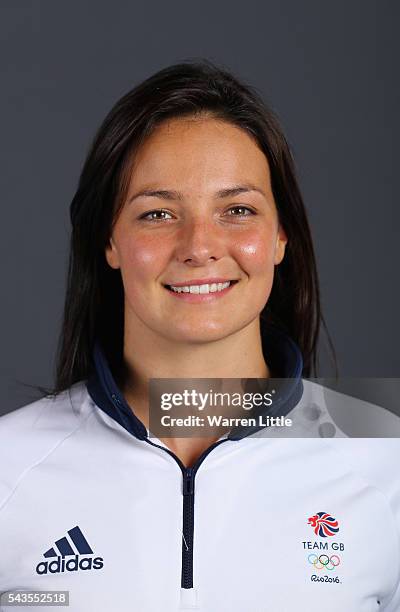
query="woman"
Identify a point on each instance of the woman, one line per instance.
(191, 258)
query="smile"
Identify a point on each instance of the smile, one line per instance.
(195, 292)
(206, 288)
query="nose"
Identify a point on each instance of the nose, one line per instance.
(199, 242)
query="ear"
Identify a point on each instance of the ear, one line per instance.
(281, 241)
(111, 254)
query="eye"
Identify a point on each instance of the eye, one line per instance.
(158, 214)
(241, 211)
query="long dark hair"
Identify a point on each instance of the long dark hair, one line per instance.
(94, 296)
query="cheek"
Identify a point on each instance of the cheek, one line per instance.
(255, 250)
(142, 260)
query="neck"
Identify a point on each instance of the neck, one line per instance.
(149, 355)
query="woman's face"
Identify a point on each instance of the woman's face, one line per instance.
(199, 212)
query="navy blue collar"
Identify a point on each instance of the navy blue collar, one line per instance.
(281, 353)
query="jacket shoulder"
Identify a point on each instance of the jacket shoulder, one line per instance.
(364, 436)
(30, 433)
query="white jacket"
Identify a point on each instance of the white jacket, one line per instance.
(262, 523)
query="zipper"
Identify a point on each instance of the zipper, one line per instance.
(188, 488)
(188, 528)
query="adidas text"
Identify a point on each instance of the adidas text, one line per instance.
(69, 565)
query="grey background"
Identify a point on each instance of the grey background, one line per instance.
(328, 69)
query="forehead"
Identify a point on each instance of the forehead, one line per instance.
(199, 153)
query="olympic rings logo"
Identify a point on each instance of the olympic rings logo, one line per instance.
(324, 562)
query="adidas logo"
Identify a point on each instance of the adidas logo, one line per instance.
(65, 549)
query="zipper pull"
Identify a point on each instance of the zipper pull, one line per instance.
(188, 482)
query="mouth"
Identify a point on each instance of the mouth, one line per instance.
(201, 288)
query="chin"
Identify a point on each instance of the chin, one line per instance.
(200, 335)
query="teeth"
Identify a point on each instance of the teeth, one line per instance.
(201, 288)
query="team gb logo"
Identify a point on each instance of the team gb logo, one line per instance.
(323, 524)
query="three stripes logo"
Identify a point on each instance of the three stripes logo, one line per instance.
(65, 559)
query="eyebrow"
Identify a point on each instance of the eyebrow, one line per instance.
(166, 194)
